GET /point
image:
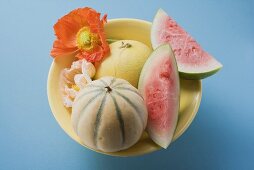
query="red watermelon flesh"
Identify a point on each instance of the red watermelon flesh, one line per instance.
(160, 87)
(193, 62)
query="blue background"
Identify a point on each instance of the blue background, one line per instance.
(222, 134)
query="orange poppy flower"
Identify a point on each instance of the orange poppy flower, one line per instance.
(81, 32)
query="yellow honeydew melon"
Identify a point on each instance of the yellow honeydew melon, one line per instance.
(125, 61)
(109, 115)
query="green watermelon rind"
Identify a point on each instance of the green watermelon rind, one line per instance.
(198, 76)
(183, 74)
(145, 71)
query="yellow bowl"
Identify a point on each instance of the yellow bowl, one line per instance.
(124, 29)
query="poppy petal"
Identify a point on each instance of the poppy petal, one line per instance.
(104, 19)
(59, 49)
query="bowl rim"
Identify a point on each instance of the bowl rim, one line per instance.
(128, 19)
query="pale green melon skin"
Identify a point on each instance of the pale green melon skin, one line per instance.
(198, 76)
(109, 136)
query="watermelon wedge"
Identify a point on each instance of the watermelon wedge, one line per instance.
(193, 62)
(159, 85)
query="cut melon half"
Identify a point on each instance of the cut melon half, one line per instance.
(193, 62)
(159, 85)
